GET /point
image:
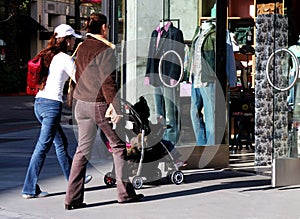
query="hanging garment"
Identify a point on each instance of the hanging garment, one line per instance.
(170, 39)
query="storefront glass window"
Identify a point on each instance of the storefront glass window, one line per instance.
(142, 19)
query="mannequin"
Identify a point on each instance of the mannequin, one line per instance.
(203, 78)
(296, 50)
(294, 100)
(294, 97)
(203, 88)
(166, 98)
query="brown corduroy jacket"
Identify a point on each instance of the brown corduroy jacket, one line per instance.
(96, 73)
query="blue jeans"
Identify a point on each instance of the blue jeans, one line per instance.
(48, 113)
(203, 98)
(167, 105)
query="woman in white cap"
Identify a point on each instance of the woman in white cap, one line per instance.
(48, 108)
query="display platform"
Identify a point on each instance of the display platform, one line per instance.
(213, 156)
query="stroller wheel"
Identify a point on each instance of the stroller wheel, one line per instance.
(177, 177)
(137, 182)
(109, 179)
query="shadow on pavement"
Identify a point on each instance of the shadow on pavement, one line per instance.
(193, 178)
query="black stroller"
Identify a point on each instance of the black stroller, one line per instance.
(146, 148)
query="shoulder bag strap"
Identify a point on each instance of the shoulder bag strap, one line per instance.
(73, 72)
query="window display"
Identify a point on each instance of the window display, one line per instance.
(164, 39)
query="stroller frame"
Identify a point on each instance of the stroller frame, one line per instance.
(173, 175)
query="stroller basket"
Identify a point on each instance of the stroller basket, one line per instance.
(151, 154)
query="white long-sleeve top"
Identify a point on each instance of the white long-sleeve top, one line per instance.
(61, 68)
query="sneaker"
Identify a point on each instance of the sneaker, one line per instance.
(87, 179)
(181, 163)
(40, 195)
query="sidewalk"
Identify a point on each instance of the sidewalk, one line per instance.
(206, 193)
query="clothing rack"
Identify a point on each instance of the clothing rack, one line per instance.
(166, 16)
(166, 5)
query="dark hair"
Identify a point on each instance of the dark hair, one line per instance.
(54, 46)
(94, 23)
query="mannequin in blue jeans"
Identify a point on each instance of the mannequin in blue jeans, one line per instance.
(204, 80)
(166, 102)
(203, 98)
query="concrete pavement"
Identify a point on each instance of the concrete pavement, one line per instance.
(206, 193)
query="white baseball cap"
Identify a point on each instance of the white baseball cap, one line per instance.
(63, 30)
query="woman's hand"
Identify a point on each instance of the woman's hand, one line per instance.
(111, 113)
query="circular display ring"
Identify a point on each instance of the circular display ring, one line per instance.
(295, 59)
(160, 71)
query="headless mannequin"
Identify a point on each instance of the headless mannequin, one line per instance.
(293, 92)
(202, 98)
(166, 98)
(206, 25)
(294, 99)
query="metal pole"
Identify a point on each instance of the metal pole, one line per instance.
(169, 10)
(221, 23)
(77, 15)
(220, 63)
(110, 9)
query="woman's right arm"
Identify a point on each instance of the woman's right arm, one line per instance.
(70, 68)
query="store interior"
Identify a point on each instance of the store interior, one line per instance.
(241, 20)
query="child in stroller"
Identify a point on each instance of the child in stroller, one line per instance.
(146, 148)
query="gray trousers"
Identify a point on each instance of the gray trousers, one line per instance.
(88, 116)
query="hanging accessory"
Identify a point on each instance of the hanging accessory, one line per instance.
(160, 70)
(268, 69)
